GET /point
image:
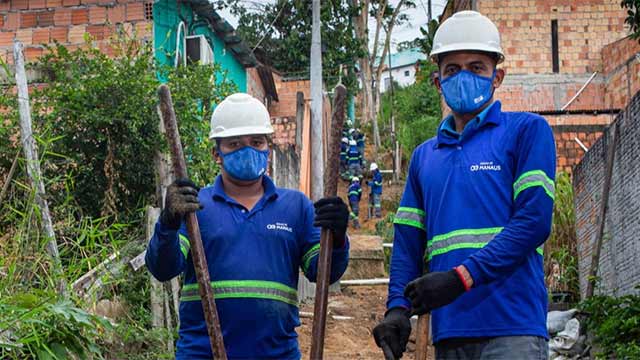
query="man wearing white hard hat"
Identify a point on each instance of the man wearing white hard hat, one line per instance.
(375, 193)
(474, 215)
(256, 237)
(354, 159)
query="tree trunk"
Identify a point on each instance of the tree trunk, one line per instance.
(33, 167)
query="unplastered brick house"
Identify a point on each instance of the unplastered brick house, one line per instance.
(557, 49)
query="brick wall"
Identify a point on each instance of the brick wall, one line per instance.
(39, 22)
(622, 69)
(620, 256)
(254, 85)
(568, 150)
(284, 130)
(584, 28)
(287, 90)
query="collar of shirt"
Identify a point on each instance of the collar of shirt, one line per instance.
(448, 135)
(270, 191)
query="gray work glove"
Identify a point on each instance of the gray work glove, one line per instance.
(181, 199)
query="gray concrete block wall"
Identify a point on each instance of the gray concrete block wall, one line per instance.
(619, 269)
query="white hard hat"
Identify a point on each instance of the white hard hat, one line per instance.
(355, 179)
(352, 142)
(345, 140)
(351, 130)
(467, 30)
(373, 166)
(240, 114)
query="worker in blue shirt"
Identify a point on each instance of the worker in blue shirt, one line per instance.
(354, 159)
(354, 194)
(256, 237)
(359, 138)
(474, 215)
(344, 146)
(375, 193)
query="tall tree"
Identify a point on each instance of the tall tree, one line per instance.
(372, 63)
(281, 32)
(633, 17)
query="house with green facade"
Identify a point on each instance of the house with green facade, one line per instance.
(191, 31)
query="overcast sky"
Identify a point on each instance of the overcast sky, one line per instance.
(406, 32)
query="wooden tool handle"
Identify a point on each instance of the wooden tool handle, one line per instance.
(326, 237)
(193, 230)
(422, 337)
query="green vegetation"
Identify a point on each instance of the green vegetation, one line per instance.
(417, 112)
(615, 322)
(96, 128)
(561, 258)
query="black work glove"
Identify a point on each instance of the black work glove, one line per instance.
(433, 290)
(181, 198)
(332, 213)
(392, 334)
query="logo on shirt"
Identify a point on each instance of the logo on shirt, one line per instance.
(279, 226)
(485, 166)
(478, 99)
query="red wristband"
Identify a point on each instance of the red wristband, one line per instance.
(461, 277)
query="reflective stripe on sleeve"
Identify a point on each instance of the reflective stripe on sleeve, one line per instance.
(463, 239)
(185, 245)
(534, 178)
(306, 259)
(410, 216)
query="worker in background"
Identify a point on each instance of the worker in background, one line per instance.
(256, 237)
(354, 159)
(345, 128)
(355, 193)
(344, 146)
(359, 138)
(375, 193)
(475, 213)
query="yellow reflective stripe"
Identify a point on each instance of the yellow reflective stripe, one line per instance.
(308, 256)
(531, 179)
(256, 289)
(185, 245)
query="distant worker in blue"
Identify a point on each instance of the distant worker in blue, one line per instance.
(355, 193)
(256, 237)
(354, 159)
(344, 147)
(359, 138)
(475, 213)
(375, 193)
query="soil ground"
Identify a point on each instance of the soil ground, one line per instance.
(352, 338)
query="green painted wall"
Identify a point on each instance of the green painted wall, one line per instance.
(167, 16)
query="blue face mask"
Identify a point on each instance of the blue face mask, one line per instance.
(466, 92)
(246, 163)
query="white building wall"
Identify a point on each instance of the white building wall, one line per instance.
(404, 76)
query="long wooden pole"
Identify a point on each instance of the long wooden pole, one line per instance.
(326, 237)
(33, 165)
(422, 337)
(604, 202)
(193, 230)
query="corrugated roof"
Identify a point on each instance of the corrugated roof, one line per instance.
(404, 58)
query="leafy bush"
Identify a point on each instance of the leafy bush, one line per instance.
(615, 323)
(96, 127)
(561, 260)
(36, 325)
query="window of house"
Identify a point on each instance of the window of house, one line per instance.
(387, 83)
(406, 73)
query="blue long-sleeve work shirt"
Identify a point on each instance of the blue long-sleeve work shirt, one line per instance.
(482, 199)
(254, 257)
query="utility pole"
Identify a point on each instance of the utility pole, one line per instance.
(429, 12)
(317, 158)
(394, 136)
